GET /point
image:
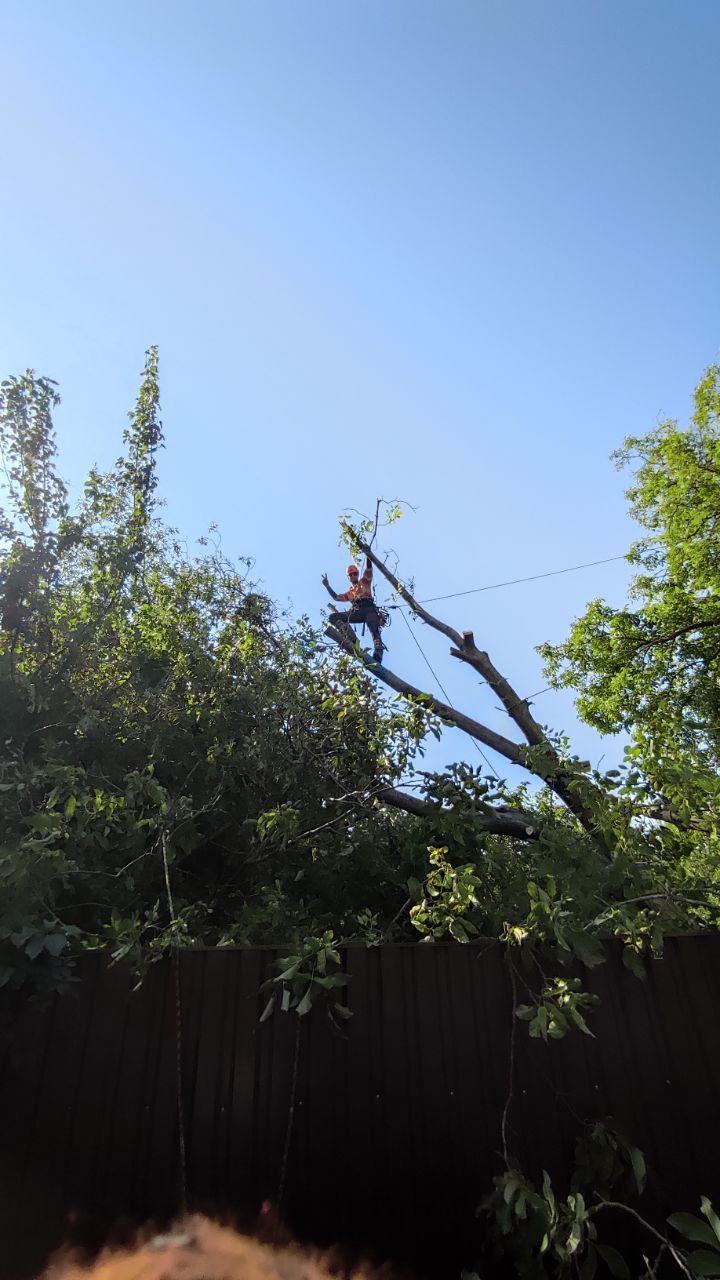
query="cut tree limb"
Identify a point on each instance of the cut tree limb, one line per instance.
(466, 650)
(575, 791)
(497, 822)
(504, 746)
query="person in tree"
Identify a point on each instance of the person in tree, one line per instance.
(362, 606)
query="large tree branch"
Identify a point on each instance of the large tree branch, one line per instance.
(497, 822)
(504, 746)
(466, 650)
(560, 780)
(573, 791)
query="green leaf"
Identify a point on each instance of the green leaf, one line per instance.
(458, 931)
(539, 1024)
(710, 1214)
(267, 1011)
(589, 1266)
(639, 1168)
(614, 1261)
(588, 949)
(693, 1229)
(704, 1263)
(70, 806)
(547, 1187)
(574, 1238)
(333, 980)
(342, 1011)
(576, 1017)
(305, 1004)
(55, 943)
(35, 946)
(511, 1186)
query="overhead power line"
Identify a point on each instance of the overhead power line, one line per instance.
(512, 582)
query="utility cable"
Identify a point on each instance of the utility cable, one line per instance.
(512, 582)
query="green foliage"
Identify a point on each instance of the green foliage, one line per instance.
(156, 705)
(555, 902)
(706, 1261)
(546, 1234)
(387, 512)
(651, 669)
(542, 1233)
(154, 699)
(606, 1161)
(159, 713)
(450, 893)
(309, 975)
(558, 1007)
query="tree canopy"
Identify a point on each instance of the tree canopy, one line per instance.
(182, 762)
(156, 707)
(651, 669)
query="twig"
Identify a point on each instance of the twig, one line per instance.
(396, 917)
(290, 1121)
(377, 517)
(511, 1072)
(626, 1208)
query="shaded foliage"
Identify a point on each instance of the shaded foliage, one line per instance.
(157, 707)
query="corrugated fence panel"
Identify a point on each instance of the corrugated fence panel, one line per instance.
(397, 1127)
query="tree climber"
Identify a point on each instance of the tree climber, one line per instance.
(363, 607)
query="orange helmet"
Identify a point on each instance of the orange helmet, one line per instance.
(352, 568)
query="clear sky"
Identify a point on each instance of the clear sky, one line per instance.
(449, 252)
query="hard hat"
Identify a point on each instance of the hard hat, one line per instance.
(352, 568)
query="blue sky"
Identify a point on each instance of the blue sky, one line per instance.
(448, 252)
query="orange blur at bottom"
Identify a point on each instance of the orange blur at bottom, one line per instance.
(198, 1249)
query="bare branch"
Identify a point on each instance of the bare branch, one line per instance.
(507, 822)
(504, 746)
(698, 625)
(572, 790)
(466, 650)
(516, 707)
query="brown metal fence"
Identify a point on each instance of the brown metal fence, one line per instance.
(395, 1134)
